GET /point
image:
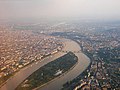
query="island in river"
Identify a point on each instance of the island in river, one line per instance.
(49, 71)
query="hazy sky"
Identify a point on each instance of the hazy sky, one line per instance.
(60, 8)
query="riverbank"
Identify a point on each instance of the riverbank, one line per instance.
(6, 78)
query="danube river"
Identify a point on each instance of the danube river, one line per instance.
(56, 84)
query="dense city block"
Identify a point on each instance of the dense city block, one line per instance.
(20, 48)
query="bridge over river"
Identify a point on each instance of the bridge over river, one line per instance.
(79, 51)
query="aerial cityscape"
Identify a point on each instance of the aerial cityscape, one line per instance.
(59, 45)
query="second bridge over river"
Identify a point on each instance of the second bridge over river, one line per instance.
(66, 51)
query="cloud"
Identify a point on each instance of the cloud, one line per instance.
(60, 8)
